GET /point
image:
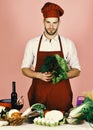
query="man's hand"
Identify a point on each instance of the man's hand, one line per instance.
(47, 76)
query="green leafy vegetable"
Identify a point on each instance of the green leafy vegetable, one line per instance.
(62, 62)
(57, 66)
(74, 121)
(84, 111)
(38, 106)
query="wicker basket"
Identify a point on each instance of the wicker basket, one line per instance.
(17, 121)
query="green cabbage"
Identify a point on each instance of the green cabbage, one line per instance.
(84, 111)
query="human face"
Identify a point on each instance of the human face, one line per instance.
(51, 25)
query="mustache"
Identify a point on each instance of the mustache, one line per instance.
(49, 32)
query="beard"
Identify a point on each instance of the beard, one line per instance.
(51, 32)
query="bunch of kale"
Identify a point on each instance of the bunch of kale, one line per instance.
(57, 66)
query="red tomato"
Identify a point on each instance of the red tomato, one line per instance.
(46, 111)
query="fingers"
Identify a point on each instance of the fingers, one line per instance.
(47, 76)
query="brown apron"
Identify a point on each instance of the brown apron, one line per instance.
(53, 96)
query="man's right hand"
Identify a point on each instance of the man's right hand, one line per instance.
(47, 76)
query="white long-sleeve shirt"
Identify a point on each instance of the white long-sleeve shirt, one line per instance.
(69, 51)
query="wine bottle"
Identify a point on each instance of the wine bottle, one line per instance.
(13, 95)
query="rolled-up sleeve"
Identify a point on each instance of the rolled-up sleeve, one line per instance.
(70, 53)
(28, 56)
(72, 58)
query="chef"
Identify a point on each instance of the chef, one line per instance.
(57, 96)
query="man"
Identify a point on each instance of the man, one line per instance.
(53, 96)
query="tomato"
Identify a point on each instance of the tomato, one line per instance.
(45, 111)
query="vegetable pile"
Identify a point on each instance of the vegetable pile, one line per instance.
(81, 113)
(77, 115)
(51, 118)
(74, 116)
(57, 66)
(15, 117)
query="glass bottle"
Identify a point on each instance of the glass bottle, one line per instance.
(13, 95)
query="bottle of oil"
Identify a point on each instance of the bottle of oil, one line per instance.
(13, 95)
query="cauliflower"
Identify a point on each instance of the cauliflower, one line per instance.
(55, 115)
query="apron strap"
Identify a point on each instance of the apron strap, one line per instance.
(39, 43)
(61, 46)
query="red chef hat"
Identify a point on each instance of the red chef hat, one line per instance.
(52, 10)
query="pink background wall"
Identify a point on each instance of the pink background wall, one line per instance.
(21, 20)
